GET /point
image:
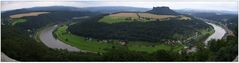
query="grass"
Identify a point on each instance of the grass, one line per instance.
(16, 21)
(153, 47)
(154, 16)
(80, 42)
(100, 46)
(133, 15)
(113, 19)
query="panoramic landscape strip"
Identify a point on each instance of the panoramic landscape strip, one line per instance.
(118, 32)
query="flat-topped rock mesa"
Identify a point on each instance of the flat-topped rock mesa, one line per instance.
(163, 11)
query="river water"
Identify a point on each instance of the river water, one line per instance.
(46, 36)
(218, 34)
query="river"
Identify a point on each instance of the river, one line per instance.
(46, 36)
(218, 34)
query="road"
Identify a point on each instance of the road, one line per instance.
(46, 36)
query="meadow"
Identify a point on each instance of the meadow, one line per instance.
(141, 17)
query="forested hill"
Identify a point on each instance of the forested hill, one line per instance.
(141, 29)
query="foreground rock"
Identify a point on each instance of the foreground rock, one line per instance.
(5, 58)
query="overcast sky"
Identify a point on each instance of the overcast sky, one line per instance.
(229, 5)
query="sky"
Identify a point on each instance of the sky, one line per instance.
(228, 5)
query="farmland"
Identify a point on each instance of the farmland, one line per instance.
(141, 17)
(27, 14)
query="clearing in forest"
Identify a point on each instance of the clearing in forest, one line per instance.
(27, 14)
(142, 17)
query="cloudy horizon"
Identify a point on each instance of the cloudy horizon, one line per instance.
(219, 5)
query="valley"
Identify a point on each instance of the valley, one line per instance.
(81, 34)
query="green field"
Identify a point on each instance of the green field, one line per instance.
(17, 21)
(100, 46)
(80, 42)
(123, 17)
(152, 47)
(138, 17)
(111, 19)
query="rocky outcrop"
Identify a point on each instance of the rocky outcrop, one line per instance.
(162, 11)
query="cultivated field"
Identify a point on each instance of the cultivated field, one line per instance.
(142, 17)
(132, 15)
(154, 16)
(27, 14)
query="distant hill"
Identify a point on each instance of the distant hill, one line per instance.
(103, 9)
(194, 11)
(146, 26)
(229, 18)
(112, 9)
(162, 11)
(54, 8)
